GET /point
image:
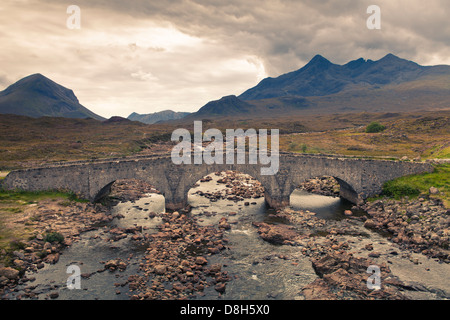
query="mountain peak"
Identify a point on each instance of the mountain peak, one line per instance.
(390, 56)
(36, 76)
(393, 59)
(33, 78)
(318, 60)
(318, 57)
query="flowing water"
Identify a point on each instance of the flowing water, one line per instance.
(259, 270)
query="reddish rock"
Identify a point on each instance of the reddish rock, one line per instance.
(220, 287)
(201, 261)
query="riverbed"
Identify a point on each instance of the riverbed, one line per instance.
(257, 269)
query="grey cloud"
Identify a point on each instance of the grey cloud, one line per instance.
(283, 35)
(297, 29)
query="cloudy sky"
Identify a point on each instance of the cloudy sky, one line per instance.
(148, 56)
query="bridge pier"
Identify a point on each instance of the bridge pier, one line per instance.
(277, 202)
(174, 205)
(347, 192)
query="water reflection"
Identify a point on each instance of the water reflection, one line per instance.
(325, 207)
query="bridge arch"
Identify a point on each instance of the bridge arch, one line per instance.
(226, 180)
(346, 172)
(195, 173)
(103, 178)
(137, 185)
(345, 190)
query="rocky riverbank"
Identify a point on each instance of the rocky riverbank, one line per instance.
(56, 226)
(422, 225)
(175, 264)
(341, 251)
(330, 247)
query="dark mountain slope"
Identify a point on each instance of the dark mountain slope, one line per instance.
(320, 77)
(36, 96)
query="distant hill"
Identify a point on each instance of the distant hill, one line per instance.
(37, 96)
(161, 116)
(117, 119)
(229, 105)
(322, 87)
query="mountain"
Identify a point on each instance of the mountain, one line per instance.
(320, 77)
(37, 96)
(161, 116)
(391, 84)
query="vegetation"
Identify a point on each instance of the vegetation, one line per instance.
(413, 135)
(32, 197)
(375, 127)
(26, 142)
(414, 185)
(54, 237)
(397, 189)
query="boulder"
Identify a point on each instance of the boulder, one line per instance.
(277, 234)
(10, 273)
(433, 190)
(160, 269)
(201, 261)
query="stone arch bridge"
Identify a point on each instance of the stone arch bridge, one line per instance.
(358, 178)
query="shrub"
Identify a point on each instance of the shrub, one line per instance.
(374, 127)
(398, 189)
(54, 237)
(16, 245)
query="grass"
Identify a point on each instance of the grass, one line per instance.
(30, 197)
(415, 185)
(14, 203)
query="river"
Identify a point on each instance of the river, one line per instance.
(258, 269)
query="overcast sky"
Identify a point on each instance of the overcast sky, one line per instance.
(148, 56)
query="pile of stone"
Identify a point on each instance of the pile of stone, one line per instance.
(327, 186)
(130, 190)
(175, 264)
(340, 274)
(344, 277)
(277, 233)
(421, 224)
(239, 187)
